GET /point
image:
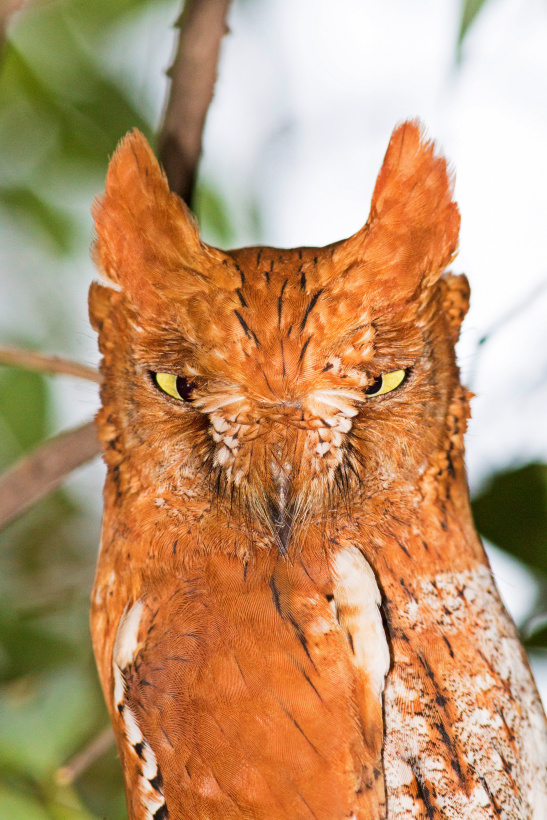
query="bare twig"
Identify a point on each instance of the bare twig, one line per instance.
(514, 312)
(193, 75)
(28, 360)
(499, 324)
(37, 474)
(83, 760)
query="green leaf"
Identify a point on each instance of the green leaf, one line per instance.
(469, 12)
(512, 513)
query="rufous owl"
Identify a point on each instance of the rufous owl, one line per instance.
(293, 616)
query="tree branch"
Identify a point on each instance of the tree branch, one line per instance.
(193, 76)
(28, 360)
(100, 744)
(37, 474)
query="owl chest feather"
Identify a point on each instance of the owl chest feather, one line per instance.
(249, 688)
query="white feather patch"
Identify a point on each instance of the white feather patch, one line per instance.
(119, 685)
(357, 599)
(132, 730)
(126, 643)
(125, 649)
(152, 803)
(150, 765)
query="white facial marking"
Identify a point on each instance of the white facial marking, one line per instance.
(219, 423)
(343, 424)
(339, 399)
(213, 402)
(223, 455)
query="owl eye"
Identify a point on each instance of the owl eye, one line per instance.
(386, 383)
(176, 386)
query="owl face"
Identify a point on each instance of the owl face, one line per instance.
(280, 384)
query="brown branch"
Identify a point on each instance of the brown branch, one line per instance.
(28, 360)
(83, 760)
(37, 474)
(499, 324)
(193, 76)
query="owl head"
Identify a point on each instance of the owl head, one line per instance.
(280, 384)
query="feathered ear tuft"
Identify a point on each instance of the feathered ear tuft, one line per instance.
(412, 232)
(147, 240)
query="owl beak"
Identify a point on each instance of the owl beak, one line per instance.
(281, 521)
(280, 509)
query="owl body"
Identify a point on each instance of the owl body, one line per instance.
(293, 616)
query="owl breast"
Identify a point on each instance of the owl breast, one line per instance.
(242, 693)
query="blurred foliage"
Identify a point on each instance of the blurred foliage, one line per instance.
(512, 513)
(62, 114)
(23, 412)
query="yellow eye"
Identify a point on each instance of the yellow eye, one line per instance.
(176, 386)
(386, 383)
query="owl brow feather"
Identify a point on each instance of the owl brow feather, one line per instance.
(304, 348)
(310, 307)
(280, 303)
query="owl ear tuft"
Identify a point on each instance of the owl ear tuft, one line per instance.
(412, 232)
(147, 240)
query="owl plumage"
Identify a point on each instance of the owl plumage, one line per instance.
(293, 616)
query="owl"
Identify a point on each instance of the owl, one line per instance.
(293, 616)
